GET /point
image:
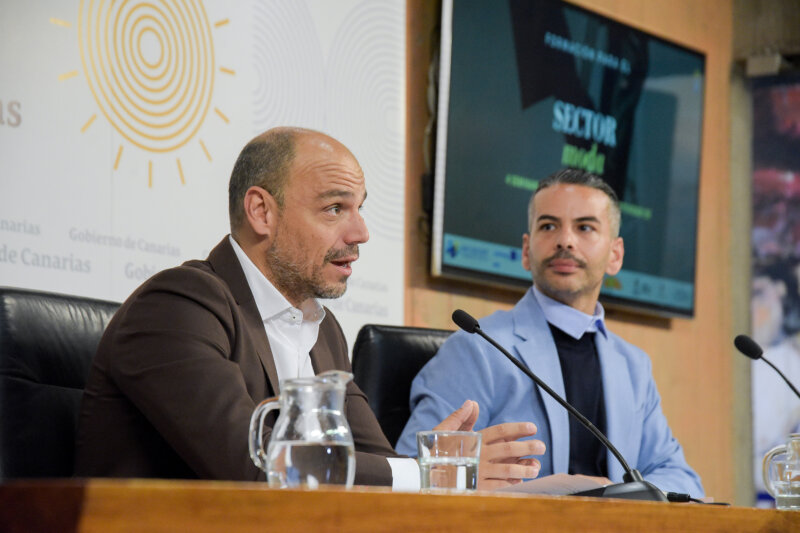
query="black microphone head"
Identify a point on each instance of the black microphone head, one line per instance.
(748, 347)
(465, 321)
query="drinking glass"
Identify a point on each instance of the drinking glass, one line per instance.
(448, 460)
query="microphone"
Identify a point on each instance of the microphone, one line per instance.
(634, 486)
(751, 349)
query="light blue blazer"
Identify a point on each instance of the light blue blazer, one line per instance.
(468, 367)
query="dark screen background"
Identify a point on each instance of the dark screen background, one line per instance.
(504, 81)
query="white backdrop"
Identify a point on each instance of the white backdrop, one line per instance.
(120, 123)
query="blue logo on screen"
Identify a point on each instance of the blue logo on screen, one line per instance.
(451, 248)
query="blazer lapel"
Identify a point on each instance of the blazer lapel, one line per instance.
(321, 355)
(225, 263)
(538, 350)
(619, 404)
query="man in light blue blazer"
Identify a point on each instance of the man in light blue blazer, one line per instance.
(558, 330)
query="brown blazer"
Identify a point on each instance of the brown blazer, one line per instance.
(180, 370)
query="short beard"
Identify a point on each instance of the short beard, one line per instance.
(563, 296)
(289, 279)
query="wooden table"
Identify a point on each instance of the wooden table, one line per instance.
(111, 506)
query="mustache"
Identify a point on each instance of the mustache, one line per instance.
(347, 251)
(565, 254)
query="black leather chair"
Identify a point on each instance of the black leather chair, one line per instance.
(385, 361)
(47, 342)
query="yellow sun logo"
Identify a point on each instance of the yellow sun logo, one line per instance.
(150, 66)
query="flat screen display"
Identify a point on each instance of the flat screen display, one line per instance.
(528, 87)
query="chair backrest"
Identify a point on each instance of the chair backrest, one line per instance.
(385, 361)
(47, 342)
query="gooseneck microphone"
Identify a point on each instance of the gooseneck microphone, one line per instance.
(751, 349)
(634, 486)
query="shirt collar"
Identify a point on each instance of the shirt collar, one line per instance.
(269, 300)
(568, 319)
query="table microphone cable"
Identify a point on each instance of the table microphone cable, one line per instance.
(677, 497)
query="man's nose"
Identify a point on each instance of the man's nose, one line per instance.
(566, 239)
(357, 232)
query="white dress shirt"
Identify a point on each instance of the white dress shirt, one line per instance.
(291, 333)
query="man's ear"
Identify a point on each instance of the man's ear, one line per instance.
(526, 243)
(260, 211)
(615, 257)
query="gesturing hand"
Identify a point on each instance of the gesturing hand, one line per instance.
(503, 455)
(462, 419)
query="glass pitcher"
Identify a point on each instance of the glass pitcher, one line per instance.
(311, 443)
(781, 470)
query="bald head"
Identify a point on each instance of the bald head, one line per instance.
(268, 160)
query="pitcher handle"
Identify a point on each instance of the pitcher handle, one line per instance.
(777, 450)
(256, 440)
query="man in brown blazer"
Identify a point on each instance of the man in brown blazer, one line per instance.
(193, 350)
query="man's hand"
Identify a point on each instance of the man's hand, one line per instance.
(462, 419)
(503, 459)
(503, 456)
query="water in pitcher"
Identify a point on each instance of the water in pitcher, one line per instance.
(787, 495)
(309, 465)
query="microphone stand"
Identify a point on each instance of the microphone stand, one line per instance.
(750, 348)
